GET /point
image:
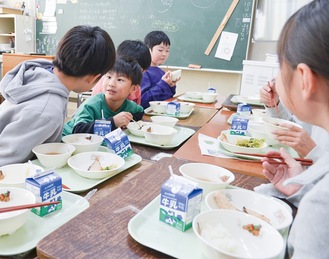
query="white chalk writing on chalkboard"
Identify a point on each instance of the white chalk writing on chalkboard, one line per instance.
(190, 24)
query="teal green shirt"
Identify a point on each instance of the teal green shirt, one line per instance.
(91, 110)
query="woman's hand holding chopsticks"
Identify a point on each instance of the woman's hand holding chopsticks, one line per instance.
(268, 95)
(278, 173)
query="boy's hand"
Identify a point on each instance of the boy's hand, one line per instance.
(167, 78)
(122, 119)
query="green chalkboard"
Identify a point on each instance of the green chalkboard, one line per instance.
(190, 25)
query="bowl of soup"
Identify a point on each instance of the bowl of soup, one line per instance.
(53, 155)
(208, 177)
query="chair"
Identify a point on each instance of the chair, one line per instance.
(82, 97)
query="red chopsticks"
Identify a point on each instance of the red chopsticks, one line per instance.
(27, 206)
(303, 161)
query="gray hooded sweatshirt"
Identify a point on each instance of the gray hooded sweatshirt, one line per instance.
(33, 112)
(309, 234)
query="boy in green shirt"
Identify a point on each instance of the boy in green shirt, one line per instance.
(112, 103)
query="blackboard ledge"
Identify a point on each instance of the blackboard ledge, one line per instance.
(203, 69)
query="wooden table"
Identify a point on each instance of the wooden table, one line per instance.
(101, 230)
(191, 151)
(199, 117)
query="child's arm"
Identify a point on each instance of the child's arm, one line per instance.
(155, 92)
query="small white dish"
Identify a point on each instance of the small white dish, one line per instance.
(164, 120)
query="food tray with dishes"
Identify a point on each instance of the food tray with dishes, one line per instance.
(228, 148)
(149, 111)
(27, 237)
(234, 105)
(148, 230)
(77, 183)
(252, 100)
(187, 98)
(181, 135)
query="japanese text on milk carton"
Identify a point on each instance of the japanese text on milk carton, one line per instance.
(180, 202)
(239, 125)
(46, 186)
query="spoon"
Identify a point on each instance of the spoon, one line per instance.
(140, 127)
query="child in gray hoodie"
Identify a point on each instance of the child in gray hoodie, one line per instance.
(36, 92)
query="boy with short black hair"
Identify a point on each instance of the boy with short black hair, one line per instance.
(135, 49)
(157, 85)
(36, 91)
(111, 103)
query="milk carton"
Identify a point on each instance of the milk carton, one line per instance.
(118, 141)
(46, 186)
(239, 125)
(102, 127)
(173, 108)
(243, 109)
(180, 202)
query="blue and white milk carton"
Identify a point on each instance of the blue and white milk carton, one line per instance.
(180, 202)
(118, 141)
(102, 127)
(46, 186)
(239, 125)
(173, 108)
(243, 109)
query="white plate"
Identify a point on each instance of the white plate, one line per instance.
(182, 135)
(224, 151)
(77, 183)
(27, 237)
(252, 100)
(187, 99)
(149, 111)
(146, 228)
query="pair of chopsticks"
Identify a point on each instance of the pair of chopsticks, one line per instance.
(303, 161)
(27, 206)
(272, 95)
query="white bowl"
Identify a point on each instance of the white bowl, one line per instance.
(164, 120)
(222, 235)
(12, 221)
(159, 134)
(271, 124)
(259, 113)
(257, 130)
(82, 162)
(53, 155)
(14, 175)
(194, 95)
(209, 97)
(135, 127)
(176, 74)
(272, 211)
(186, 107)
(229, 142)
(208, 177)
(84, 142)
(158, 106)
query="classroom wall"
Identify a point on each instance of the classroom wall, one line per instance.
(194, 80)
(225, 83)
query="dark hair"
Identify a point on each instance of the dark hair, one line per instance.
(128, 67)
(85, 50)
(154, 38)
(136, 49)
(305, 38)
